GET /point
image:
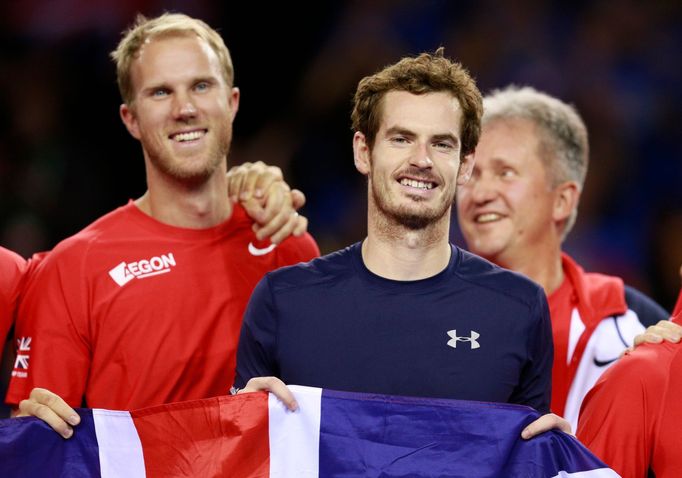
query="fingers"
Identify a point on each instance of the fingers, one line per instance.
(279, 220)
(647, 338)
(50, 408)
(278, 206)
(278, 227)
(259, 179)
(268, 200)
(235, 179)
(301, 225)
(274, 386)
(295, 225)
(664, 330)
(251, 180)
(671, 331)
(270, 213)
(544, 423)
(297, 199)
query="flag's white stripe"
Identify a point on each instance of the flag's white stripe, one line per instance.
(295, 436)
(598, 473)
(120, 450)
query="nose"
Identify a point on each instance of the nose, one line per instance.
(422, 158)
(183, 107)
(480, 189)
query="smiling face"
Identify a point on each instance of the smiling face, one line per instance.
(413, 166)
(182, 110)
(508, 209)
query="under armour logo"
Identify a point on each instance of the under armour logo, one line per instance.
(471, 339)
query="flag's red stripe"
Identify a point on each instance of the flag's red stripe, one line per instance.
(223, 436)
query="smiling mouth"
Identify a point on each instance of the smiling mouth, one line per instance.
(487, 217)
(188, 136)
(414, 183)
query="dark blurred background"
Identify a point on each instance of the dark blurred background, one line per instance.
(65, 157)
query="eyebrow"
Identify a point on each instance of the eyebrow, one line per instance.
(401, 131)
(212, 80)
(446, 137)
(411, 134)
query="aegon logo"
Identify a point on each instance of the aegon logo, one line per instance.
(125, 272)
(471, 339)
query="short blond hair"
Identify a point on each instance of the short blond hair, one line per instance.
(143, 30)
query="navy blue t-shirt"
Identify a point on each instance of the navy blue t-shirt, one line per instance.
(474, 331)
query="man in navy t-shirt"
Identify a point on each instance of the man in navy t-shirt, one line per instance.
(404, 311)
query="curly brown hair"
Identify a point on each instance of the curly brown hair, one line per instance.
(426, 73)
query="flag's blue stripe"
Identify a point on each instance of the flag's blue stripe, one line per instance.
(29, 448)
(375, 435)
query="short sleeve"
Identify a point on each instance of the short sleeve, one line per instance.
(51, 333)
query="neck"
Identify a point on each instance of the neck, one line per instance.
(395, 252)
(542, 266)
(192, 206)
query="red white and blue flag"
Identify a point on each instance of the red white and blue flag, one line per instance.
(333, 434)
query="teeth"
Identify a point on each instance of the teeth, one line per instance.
(189, 136)
(416, 184)
(488, 217)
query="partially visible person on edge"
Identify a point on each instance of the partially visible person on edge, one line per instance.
(14, 272)
(144, 306)
(517, 209)
(678, 304)
(12, 268)
(632, 417)
(405, 312)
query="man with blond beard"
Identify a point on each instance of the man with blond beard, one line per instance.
(144, 306)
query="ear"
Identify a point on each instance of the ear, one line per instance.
(466, 167)
(565, 201)
(233, 101)
(361, 153)
(129, 120)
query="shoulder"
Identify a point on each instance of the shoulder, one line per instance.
(12, 265)
(12, 270)
(303, 246)
(635, 385)
(76, 247)
(485, 274)
(290, 251)
(321, 270)
(623, 385)
(11, 259)
(647, 367)
(648, 311)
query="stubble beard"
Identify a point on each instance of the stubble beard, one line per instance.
(412, 219)
(175, 167)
